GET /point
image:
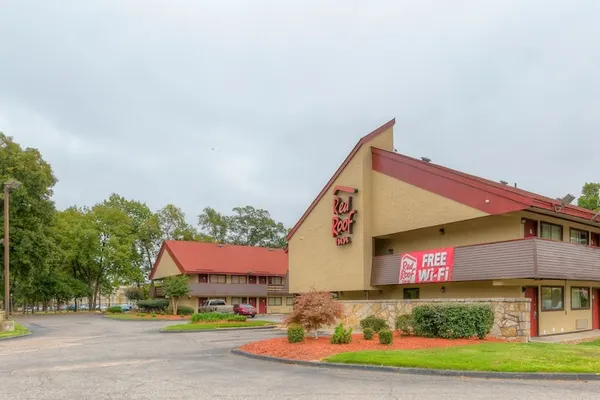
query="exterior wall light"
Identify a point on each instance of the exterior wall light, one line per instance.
(443, 289)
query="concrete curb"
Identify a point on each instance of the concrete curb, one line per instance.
(144, 320)
(250, 328)
(424, 371)
(17, 337)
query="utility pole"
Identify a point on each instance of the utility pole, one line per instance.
(7, 186)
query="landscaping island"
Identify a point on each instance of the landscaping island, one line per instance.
(199, 326)
(19, 330)
(146, 317)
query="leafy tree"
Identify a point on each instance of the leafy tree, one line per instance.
(176, 287)
(314, 310)
(247, 226)
(31, 213)
(590, 196)
(135, 293)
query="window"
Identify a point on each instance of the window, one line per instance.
(217, 301)
(289, 301)
(411, 293)
(236, 300)
(276, 280)
(580, 298)
(274, 301)
(218, 278)
(239, 279)
(551, 231)
(553, 298)
(580, 237)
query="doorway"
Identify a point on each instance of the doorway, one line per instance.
(252, 301)
(595, 308)
(530, 228)
(532, 294)
(262, 305)
(595, 239)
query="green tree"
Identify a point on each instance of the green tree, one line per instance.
(590, 196)
(246, 226)
(31, 213)
(135, 293)
(175, 288)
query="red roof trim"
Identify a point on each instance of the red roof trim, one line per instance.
(467, 189)
(337, 173)
(158, 258)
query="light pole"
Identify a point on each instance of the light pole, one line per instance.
(8, 185)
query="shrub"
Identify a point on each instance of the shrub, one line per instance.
(315, 309)
(374, 323)
(295, 333)
(153, 315)
(368, 333)
(452, 321)
(181, 310)
(135, 293)
(155, 305)
(115, 309)
(341, 335)
(216, 317)
(404, 324)
(385, 336)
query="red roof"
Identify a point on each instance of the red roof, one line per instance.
(480, 193)
(199, 257)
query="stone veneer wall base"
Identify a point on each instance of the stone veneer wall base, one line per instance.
(511, 315)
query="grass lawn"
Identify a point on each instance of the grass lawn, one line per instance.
(499, 357)
(593, 343)
(20, 330)
(200, 326)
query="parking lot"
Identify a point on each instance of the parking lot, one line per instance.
(89, 357)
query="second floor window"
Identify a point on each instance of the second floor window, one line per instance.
(218, 278)
(551, 231)
(276, 280)
(580, 237)
(239, 279)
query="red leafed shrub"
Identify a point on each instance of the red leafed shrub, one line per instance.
(314, 310)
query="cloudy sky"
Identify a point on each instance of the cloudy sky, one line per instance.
(222, 103)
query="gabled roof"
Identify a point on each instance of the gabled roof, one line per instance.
(214, 258)
(473, 191)
(337, 173)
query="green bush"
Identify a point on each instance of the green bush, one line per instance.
(374, 323)
(368, 333)
(295, 333)
(115, 309)
(181, 310)
(385, 336)
(153, 306)
(404, 324)
(453, 321)
(341, 335)
(216, 317)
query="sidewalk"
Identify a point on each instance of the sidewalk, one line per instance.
(568, 337)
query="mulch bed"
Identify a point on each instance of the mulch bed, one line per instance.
(317, 349)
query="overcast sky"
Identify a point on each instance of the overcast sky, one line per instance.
(226, 103)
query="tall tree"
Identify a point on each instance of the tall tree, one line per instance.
(590, 196)
(214, 224)
(31, 212)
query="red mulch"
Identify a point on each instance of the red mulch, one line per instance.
(316, 349)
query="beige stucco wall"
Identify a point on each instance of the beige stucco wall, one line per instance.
(166, 267)
(494, 228)
(399, 207)
(315, 262)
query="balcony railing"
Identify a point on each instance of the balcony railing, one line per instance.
(277, 289)
(533, 258)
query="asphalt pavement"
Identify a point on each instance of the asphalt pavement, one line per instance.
(89, 357)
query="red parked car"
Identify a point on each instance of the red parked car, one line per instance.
(245, 309)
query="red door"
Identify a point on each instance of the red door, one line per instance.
(252, 279)
(202, 278)
(252, 301)
(596, 309)
(531, 227)
(201, 300)
(262, 280)
(595, 240)
(262, 305)
(532, 293)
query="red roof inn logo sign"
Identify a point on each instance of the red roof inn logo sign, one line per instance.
(343, 215)
(427, 266)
